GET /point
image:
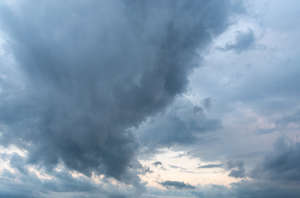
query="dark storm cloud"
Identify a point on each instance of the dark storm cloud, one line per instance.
(93, 69)
(177, 185)
(244, 41)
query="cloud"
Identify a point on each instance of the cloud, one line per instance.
(237, 169)
(19, 179)
(247, 189)
(177, 185)
(244, 41)
(212, 166)
(263, 190)
(14, 195)
(282, 165)
(182, 124)
(94, 75)
(157, 163)
(275, 177)
(93, 69)
(117, 196)
(291, 118)
(262, 81)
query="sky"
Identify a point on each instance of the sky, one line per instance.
(149, 99)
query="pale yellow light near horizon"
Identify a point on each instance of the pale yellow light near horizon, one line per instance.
(175, 166)
(179, 166)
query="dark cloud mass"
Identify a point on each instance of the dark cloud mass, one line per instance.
(93, 69)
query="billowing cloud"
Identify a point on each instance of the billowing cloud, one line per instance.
(95, 99)
(93, 69)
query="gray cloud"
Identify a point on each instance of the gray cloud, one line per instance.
(177, 185)
(236, 168)
(62, 184)
(212, 166)
(181, 124)
(282, 165)
(264, 190)
(117, 196)
(275, 177)
(247, 189)
(292, 118)
(32, 186)
(14, 195)
(157, 163)
(244, 41)
(262, 81)
(93, 69)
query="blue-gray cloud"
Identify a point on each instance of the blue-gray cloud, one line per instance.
(212, 166)
(182, 124)
(282, 165)
(157, 163)
(93, 69)
(247, 189)
(237, 169)
(62, 183)
(244, 41)
(177, 185)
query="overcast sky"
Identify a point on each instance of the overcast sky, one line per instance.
(149, 99)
